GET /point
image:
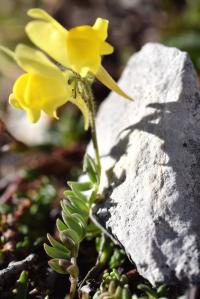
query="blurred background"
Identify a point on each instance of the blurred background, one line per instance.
(36, 160)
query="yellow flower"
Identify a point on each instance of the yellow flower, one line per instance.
(80, 48)
(43, 87)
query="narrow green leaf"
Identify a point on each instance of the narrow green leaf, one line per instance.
(77, 202)
(64, 206)
(69, 243)
(55, 253)
(75, 189)
(83, 207)
(92, 162)
(81, 186)
(56, 244)
(60, 225)
(91, 169)
(71, 234)
(118, 293)
(80, 218)
(23, 277)
(75, 213)
(54, 264)
(68, 193)
(73, 225)
(22, 286)
(126, 292)
(92, 198)
(148, 290)
(69, 208)
(92, 231)
(162, 290)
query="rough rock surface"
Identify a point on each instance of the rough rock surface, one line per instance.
(150, 151)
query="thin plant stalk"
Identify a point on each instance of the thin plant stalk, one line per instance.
(73, 280)
(91, 106)
(102, 259)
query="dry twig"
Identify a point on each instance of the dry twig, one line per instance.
(14, 269)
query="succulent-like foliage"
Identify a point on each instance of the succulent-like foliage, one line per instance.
(21, 286)
(74, 224)
(150, 293)
(114, 286)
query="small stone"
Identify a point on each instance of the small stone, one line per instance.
(26, 132)
(150, 151)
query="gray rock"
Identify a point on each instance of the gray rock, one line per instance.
(150, 151)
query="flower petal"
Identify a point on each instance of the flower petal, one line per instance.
(14, 102)
(19, 89)
(83, 49)
(80, 103)
(34, 61)
(101, 26)
(79, 48)
(34, 92)
(33, 115)
(50, 112)
(49, 38)
(50, 107)
(106, 49)
(41, 14)
(108, 81)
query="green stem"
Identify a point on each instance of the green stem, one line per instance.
(73, 287)
(103, 256)
(73, 281)
(91, 106)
